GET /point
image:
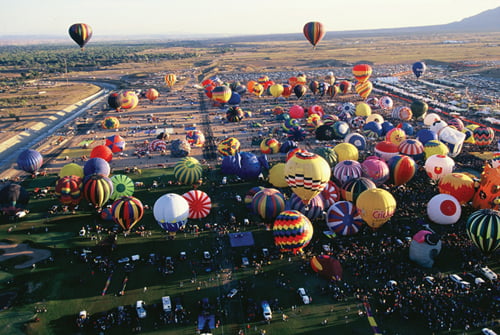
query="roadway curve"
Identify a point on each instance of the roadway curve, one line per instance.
(8, 158)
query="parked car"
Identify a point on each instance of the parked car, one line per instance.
(456, 278)
(167, 304)
(139, 307)
(206, 255)
(266, 311)
(232, 293)
(306, 299)
(487, 273)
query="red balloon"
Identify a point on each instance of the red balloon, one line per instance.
(102, 151)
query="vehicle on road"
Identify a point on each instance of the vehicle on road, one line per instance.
(139, 307)
(306, 299)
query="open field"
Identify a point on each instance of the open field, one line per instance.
(50, 294)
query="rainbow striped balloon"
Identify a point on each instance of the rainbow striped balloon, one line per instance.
(292, 231)
(127, 211)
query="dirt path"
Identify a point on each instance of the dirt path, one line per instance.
(14, 250)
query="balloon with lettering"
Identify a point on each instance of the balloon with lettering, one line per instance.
(377, 206)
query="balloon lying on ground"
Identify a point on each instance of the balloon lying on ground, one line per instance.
(327, 267)
(13, 198)
(425, 246)
(444, 209)
(488, 192)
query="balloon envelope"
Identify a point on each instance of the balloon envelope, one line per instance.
(327, 266)
(314, 32)
(199, 204)
(292, 231)
(171, 211)
(377, 206)
(127, 211)
(80, 33)
(483, 228)
(29, 160)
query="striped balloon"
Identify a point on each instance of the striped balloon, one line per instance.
(412, 148)
(80, 33)
(313, 210)
(354, 187)
(123, 186)
(292, 231)
(157, 145)
(188, 170)
(401, 169)
(249, 196)
(483, 228)
(331, 193)
(344, 218)
(364, 88)
(268, 203)
(29, 160)
(484, 135)
(127, 211)
(347, 170)
(199, 204)
(362, 72)
(69, 190)
(314, 32)
(97, 189)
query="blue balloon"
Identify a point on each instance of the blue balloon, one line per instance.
(235, 99)
(418, 68)
(426, 135)
(249, 166)
(229, 165)
(29, 160)
(96, 165)
(288, 145)
(386, 126)
(372, 129)
(408, 128)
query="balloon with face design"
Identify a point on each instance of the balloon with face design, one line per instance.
(488, 193)
(425, 246)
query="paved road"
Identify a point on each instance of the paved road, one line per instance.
(8, 157)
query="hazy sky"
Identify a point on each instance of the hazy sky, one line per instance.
(232, 17)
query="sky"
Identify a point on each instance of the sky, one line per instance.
(225, 17)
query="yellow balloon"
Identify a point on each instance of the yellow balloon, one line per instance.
(71, 169)
(307, 174)
(375, 117)
(277, 176)
(346, 151)
(435, 147)
(377, 206)
(363, 109)
(276, 90)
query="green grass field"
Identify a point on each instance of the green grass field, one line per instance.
(67, 285)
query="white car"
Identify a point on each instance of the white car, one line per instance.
(139, 307)
(232, 293)
(306, 299)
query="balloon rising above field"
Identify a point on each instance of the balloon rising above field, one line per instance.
(80, 33)
(314, 31)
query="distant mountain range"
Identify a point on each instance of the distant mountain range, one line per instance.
(487, 21)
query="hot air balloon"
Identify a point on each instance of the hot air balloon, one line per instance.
(229, 146)
(292, 231)
(102, 151)
(396, 136)
(129, 100)
(80, 33)
(362, 110)
(171, 211)
(235, 114)
(69, 190)
(346, 170)
(419, 109)
(351, 189)
(313, 210)
(328, 154)
(221, 94)
(438, 166)
(276, 90)
(127, 211)
(362, 72)
(377, 206)
(13, 198)
(340, 129)
(331, 193)
(268, 203)
(195, 138)
(152, 94)
(425, 246)
(376, 170)
(277, 175)
(116, 143)
(330, 78)
(199, 204)
(249, 196)
(29, 160)
(180, 148)
(314, 32)
(97, 189)
(483, 228)
(157, 145)
(123, 186)
(299, 91)
(346, 151)
(444, 209)
(71, 169)
(307, 175)
(313, 86)
(356, 139)
(188, 170)
(402, 169)
(488, 193)
(386, 102)
(418, 68)
(459, 185)
(372, 129)
(484, 135)
(324, 133)
(114, 101)
(345, 86)
(344, 218)
(235, 98)
(386, 150)
(327, 267)
(412, 148)
(435, 147)
(170, 79)
(96, 166)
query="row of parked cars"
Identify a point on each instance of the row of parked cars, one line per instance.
(484, 273)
